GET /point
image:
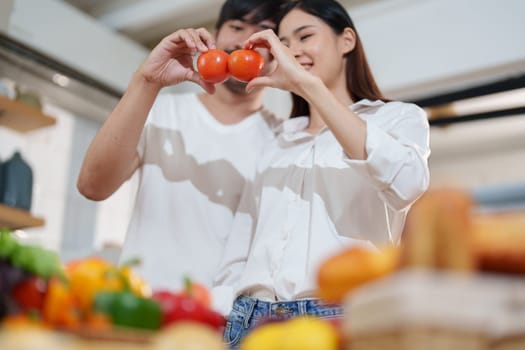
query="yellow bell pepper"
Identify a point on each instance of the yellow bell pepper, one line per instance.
(93, 275)
(136, 284)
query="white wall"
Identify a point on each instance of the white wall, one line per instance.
(74, 226)
(47, 152)
(75, 39)
(6, 6)
(414, 46)
(480, 153)
(421, 46)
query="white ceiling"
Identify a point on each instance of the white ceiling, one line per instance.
(147, 21)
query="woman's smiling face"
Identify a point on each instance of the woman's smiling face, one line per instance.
(314, 45)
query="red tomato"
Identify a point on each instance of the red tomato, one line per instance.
(244, 65)
(199, 293)
(213, 66)
(30, 294)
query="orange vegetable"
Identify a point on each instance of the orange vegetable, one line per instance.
(98, 322)
(20, 320)
(93, 275)
(351, 268)
(89, 276)
(60, 308)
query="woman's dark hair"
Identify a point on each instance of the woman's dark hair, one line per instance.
(250, 11)
(360, 81)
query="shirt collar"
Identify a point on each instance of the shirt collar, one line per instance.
(293, 127)
(365, 103)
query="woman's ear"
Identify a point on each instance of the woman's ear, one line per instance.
(348, 40)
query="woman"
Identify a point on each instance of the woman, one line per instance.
(344, 172)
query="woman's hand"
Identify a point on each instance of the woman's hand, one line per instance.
(287, 74)
(171, 61)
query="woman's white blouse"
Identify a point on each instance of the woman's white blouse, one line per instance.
(310, 200)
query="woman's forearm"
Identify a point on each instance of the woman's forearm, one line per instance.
(347, 127)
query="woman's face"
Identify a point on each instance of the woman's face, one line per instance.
(315, 46)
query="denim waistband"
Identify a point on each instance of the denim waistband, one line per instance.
(255, 308)
(248, 312)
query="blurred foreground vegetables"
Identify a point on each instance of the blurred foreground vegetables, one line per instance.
(188, 336)
(129, 310)
(30, 293)
(60, 307)
(187, 305)
(29, 258)
(299, 333)
(353, 267)
(94, 275)
(91, 294)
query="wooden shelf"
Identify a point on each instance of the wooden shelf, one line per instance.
(21, 117)
(14, 218)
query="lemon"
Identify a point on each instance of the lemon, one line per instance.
(266, 337)
(309, 333)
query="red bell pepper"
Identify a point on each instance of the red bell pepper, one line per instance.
(182, 307)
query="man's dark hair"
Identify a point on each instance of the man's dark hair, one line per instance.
(258, 11)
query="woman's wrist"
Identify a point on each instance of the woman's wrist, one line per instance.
(310, 88)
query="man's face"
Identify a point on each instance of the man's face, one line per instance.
(233, 33)
(231, 36)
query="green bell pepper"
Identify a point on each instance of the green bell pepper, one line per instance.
(129, 310)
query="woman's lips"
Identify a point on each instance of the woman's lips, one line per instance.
(307, 66)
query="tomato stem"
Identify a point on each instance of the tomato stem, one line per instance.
(188, 285)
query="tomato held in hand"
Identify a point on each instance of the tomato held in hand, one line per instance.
(244, 65)
(213, 66)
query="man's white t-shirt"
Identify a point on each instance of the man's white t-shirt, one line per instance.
(193, 170)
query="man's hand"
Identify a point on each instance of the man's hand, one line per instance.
(171, 61)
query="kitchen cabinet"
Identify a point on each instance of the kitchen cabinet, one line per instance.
(22, 118)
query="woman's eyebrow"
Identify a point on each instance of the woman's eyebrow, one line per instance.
(297, 30)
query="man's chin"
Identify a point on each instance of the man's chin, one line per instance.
(236, 86)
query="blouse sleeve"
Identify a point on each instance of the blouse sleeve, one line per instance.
(397, 162)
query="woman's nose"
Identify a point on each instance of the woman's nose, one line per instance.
(295, 49)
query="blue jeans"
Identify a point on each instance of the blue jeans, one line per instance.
(248, 312)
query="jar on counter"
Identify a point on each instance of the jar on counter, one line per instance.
(17, 183)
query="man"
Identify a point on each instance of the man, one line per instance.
(194, 153)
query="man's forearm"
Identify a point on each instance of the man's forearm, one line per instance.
(112, 156)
